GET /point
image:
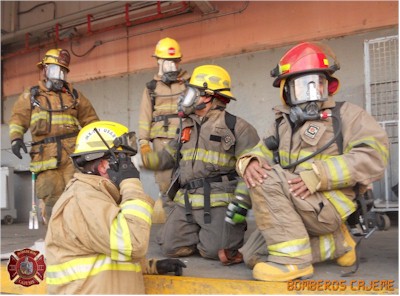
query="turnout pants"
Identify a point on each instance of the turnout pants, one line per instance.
(294, 231)
(178, 237)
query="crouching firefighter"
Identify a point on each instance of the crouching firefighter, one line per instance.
(98, 235)
(54, 112)
(205, 152)
(305, 176)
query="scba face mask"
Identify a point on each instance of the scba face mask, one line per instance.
(188, 101)
(305, 94)
(56, 77)
(168, 71)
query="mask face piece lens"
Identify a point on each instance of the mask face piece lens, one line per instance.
(191, 96)
(56, 72)
(308, 88)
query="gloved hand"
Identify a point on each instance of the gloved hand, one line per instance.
(125, 170)
(236, 213)
(16, 146)
(144, 147)
(170, 265)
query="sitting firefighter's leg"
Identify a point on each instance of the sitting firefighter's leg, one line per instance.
(177, 237)
(283, 229)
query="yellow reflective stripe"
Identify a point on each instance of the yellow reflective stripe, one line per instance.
(167, 108)
(39, 116)
(39, 166)
(157, 130)
(241, 188)
(138, 208)
(341, 202)
(120, 239)
(339, 171)
(144, 125)
(292, 248)
(327, 246)
(373, 143)
(18, 129)
(170, 150)
(213, 157)
(64, 119)
(197, 200)
(284, 68)
(82, 268)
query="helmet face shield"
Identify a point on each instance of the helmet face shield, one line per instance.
(56, 72)
(308, 88)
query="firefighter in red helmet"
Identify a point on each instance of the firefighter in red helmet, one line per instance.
(304, 176)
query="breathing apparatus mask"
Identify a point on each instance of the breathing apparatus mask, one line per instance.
(56, 77)
(188, 100)
(168, 70)
(305, 94)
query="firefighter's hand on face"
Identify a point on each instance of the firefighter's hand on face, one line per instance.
(16, 147)
(255, 173)
(170, 265)
(144, 147)
(124, 170)
(298, 188)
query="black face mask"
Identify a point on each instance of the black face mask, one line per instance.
(170, 77)
(298, 115)
(54, 85)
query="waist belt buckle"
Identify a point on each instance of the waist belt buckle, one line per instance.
(194, 184)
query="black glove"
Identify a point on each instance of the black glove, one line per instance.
(170, 265)
(123, 170)
(16, 146)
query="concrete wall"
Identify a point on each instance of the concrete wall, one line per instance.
(118, 98)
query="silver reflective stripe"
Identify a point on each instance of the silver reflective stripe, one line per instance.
(83, 268)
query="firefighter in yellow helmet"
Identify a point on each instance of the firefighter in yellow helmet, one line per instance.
(54, 112)
(205, 152)
(304, 176)
(158, 119)
(99, 232)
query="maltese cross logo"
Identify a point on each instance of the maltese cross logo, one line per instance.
(26, 266)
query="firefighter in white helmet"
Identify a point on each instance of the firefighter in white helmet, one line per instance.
(305, 175)
(158, 119)
(204, 152)
(99, 232)
(54, 112)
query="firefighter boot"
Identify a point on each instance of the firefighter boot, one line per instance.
(349, 258)
(229, 257)
(275, 272)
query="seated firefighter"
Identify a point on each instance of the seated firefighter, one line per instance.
(305, 176)
(99, 231)
(205, 152)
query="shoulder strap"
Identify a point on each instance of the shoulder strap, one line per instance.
(336, 113)
(230, 121)
(76, 94)
(151, 86)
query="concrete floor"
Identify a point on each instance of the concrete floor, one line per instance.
(379, 255)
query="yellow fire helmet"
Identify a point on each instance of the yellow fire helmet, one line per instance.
(93, 139)
(214, 78)
(167, 48)
(57, 56)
